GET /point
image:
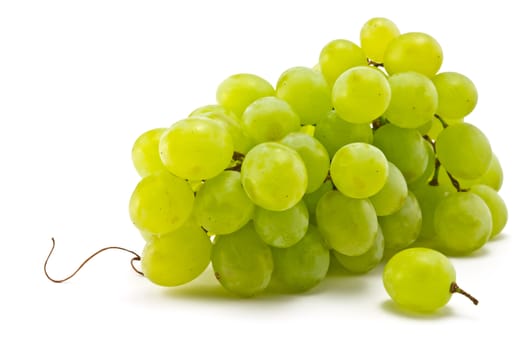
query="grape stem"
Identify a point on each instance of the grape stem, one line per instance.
(237, 159)
(454, 288)
(442, 121)
(373, 63)
(133, 260)
(434, 181)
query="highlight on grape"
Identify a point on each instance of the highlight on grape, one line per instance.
(366, 156)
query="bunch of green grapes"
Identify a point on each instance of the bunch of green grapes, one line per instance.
(357, 159)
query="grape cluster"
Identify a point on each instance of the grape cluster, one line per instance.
(358, 158)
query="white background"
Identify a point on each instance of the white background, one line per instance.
(80, 80)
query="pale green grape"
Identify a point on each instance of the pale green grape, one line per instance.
(429, 170)
(178, 257)
(221, 205)
(402, 228)
(238, 91)
(274, 176)
(414, 100)
(403, 147)
(241, 142)
(338, 56)
(493, 177)
(425, 128)
(364, 262)
(376, 34)
(359, 170)
(496, 205)
(348, 225)
(196, 148)
(269, 119)
(303, 265)
(242, 262)
(145, 152)
(435, 129)
(334, 132)
(311, 199)
(160, 203)
(417, 52)
(457, 95)
(393, 194)
(361, 94)
(306, 91)
(464, 151)
(281, 229)
(462, 222)
(419, 279)
(314, 156)
(428, 198)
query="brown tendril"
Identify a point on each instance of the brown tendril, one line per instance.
(375, 64)
(454, 288)
(135, 258)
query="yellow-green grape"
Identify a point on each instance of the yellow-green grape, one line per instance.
(145, 152)
(269, 119)
(493, 177)
(178, 257)
(402, 228)
(463, 223)
(417, 52)
(304, 265)
(414, 100)
(376, 34)
(334, 132)
(338, 56)
(421, 280)
(238, 91)
(214, 109)
(348, 225)
(435, 129)
(221, 205)
(496, 205)
(464, 151)
(314, 156)
(457, 95)
(311, 199)
(160, 203)
(274, 176)
(242, 262)
(306, 91)
(393, 194)
(359, 170)
(428, 198)
(364, 262)
(403, 147)
(196, 148)
(425, 128)
(281, 229)
(308, 129)
(427, 175)
(361, 94)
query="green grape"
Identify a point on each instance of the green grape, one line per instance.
(359, 170)
(241, 142)
(364, 262)
(464, 151)
(338, 56)
(425, 128)
(221, 205)
(281, 229)
(303, 265)
(213, 109)
(417, 52)
(306, 91)
(333, 132)
(393, 194)
(145, 153)
(435, 129)
(493, 177)
(428, 197)
(462, 222)
(269, 119)
(421, 280)
(457, 95)
(242, 262)
(348, 225)
(403, 147)
(361, 94)
(311, 199)
(376, 34)
(178, 257)
(160, 203)
(274, 176)
(402, 228)
(429, 170)
(496, 205)
(196, 148)
(238, 91)
(314, 156)
(414, 100)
